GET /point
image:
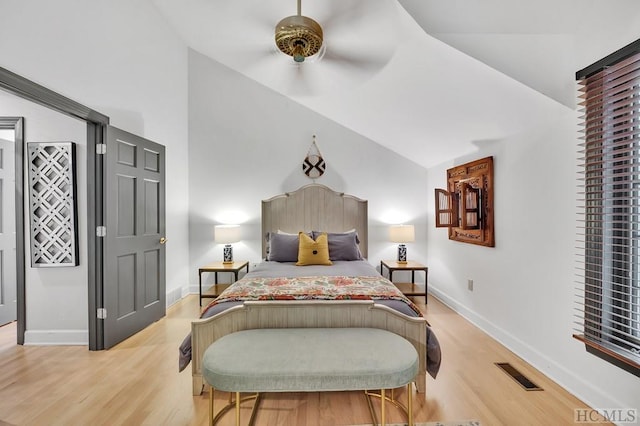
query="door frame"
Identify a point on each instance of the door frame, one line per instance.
(17, 124)
(96, 133)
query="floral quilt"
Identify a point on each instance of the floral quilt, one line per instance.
(313, 288)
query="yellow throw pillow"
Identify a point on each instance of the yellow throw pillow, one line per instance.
(313, 252)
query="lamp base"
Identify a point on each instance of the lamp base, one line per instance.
(227, 254)
(402, 253)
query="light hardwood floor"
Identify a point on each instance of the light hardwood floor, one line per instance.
(137, 383)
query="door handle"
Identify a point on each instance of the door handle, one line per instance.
(163, 240)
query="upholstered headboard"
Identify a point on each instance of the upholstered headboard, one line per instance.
(315, 207)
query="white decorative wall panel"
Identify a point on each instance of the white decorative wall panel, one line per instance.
(52, 204)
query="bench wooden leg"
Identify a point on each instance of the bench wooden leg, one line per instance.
(211, 406)
(410, 404)
(383, 416)
(237, 408)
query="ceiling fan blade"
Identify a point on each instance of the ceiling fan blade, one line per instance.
(302, 84)
(288, 78)
(337, 12)
(354, 15)
(303, 81)
(366, 42)
(218, 27)
(364, 59)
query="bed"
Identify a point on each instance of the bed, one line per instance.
(315, 274)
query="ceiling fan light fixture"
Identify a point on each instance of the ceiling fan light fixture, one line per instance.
(298, 36)
(298, 51)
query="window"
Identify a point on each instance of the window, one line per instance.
(609, 226)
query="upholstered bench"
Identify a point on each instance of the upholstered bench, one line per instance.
(310, 360)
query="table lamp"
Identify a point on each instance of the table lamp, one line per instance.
(402, 234)
(227, 234)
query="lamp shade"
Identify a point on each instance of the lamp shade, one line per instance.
(227, 234)
(402, 233)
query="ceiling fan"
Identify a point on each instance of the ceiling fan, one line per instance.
(343, 45)
(354, 42)
(299, 36)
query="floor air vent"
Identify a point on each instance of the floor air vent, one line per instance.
(518, 376)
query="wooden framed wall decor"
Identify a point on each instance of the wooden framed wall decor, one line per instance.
(466, 206)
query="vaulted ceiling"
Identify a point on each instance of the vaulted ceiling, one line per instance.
(429, 79)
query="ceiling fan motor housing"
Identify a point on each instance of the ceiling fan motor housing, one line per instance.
(298, 36)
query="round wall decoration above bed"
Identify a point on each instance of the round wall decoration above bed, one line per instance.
(313, 165)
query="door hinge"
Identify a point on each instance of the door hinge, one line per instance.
(102, 313)
(101, 148)
(101, 231)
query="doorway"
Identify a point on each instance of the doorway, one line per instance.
(95, 127)
(12, 287)
(98, 248)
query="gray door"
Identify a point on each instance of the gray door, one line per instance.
(7, 234)
(134, 261)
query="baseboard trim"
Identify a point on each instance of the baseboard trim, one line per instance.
(56, 337)
(174, 296)
(549, 367)
(81, 337)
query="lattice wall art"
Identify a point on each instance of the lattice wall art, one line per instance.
(52, 204)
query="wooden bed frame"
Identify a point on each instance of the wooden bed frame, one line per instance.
(312, 207)
(315, 207)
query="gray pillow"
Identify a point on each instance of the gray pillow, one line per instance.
(267, 238)
(343, 245)
(283, 247)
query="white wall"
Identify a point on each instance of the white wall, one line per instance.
(57, 298)
(121, 59)
(247, 143)
(524, 287)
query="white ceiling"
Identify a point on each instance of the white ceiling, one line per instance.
(429, 79)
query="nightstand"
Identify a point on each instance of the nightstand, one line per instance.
(216, 267)
(408, 289)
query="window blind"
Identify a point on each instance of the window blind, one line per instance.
(608, 236)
